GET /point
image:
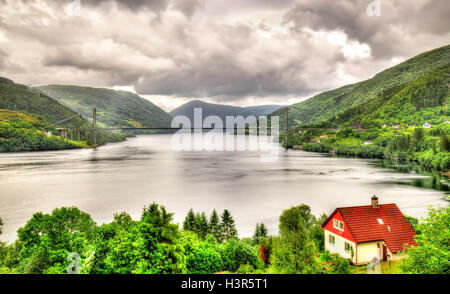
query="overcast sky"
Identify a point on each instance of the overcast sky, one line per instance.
(241, 52)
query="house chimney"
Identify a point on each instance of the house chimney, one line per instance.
(374, 201)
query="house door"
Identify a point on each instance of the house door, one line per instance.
(384, 252)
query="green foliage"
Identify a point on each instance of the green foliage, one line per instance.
(329, 105)
(114, 108)
(334, 264)
(236, 253)
(413, 222)
(47, 239)
(154, 245)
(317, 233)
(227, 225)
(432, 255)
(28, 100)
(214, 226)
(198, 223)
(294, 251)
(260, 235)
(189, 222)
(202, 256)
(149, 246)
(9, 256)
(390, 125)
(22, 132)
(445, 143)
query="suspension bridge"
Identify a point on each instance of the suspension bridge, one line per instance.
(85, 133)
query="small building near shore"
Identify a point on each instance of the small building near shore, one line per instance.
(363, 234)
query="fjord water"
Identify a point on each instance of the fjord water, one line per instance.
(129, 175)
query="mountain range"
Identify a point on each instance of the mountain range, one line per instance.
(222, 111)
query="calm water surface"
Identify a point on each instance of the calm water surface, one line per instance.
(129, 175)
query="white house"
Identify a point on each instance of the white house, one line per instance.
(363, 233)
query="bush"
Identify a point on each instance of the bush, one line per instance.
(236, 253)
(432, 254)
(334, 264)
(202, 257)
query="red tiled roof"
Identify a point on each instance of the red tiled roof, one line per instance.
(363, 224)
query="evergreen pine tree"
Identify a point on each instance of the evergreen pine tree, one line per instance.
(189, 221)
(214, 226)
(260, 234)
(227, 226)
(201, 225)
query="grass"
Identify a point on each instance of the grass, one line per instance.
(387, 268)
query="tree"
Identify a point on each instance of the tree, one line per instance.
(413, 222)
(418, 139)
(48, 239)
(260, 235)
(317, 234)
(201, 225)
(1, 226)
(214, 226)
(202, 256)
(294, 251)
(432, 253)
(106, 232)
(445, 143)
(289, 218)
(147, 247)
(189, 221)
(236, 253)
(227, 226)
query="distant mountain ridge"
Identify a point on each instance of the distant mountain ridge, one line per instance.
(114, 108)
(222, 111)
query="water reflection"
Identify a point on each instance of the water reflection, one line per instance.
(430, 179)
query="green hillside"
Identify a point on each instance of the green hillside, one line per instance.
(408, 122)
(30, 104)
(331, 104)
(24, 99)
(114, 108)
(22, 132)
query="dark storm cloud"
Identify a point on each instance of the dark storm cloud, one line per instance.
(155, 5)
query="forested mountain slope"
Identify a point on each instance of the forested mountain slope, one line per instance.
(409, 122)
(25, 99)
(331, 104)
(114, 108)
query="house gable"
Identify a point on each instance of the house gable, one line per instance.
(329, 226)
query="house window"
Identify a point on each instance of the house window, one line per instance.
(338, 224)
(347, 247)
(331, 240)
